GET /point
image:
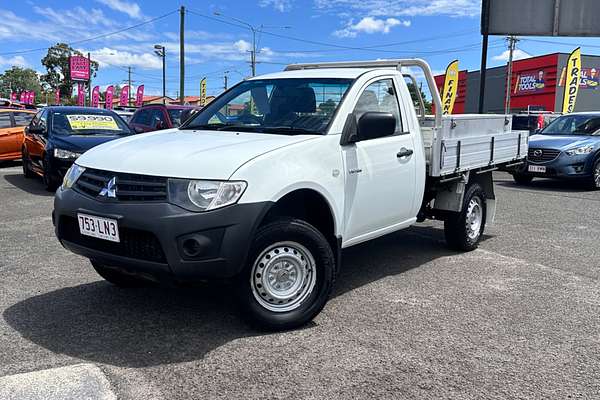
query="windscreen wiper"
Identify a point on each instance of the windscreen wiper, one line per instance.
(290, 130)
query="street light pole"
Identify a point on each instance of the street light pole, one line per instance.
(162, 52)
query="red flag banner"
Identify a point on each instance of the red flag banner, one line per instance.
(13, 96)
(32, 97)
(57, 96)
(96, 96)
(80, 94)
(22, 97)
(124, 96)
(139, 96)
(108, 97)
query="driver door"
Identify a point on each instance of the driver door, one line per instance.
(380, 173)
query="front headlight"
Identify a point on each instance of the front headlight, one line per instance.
(72, 175)
(199, 195)
(65, 154)
(580, 150)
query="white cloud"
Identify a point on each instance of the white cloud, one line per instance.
(279, 5)
(108, 57)
(370, 25)
(130, 8)
(410, 8)
(518, 54)
(17, 61)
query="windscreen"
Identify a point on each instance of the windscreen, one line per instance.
(82, 122)
(278, 106)
(574, 125)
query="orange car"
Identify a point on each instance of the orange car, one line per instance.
(12, 123)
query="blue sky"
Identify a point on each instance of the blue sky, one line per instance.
(293, 31)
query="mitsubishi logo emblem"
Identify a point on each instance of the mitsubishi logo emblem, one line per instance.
(110, 190)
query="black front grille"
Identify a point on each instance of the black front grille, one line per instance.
(542, 155)
(129, 187)
(134, 243)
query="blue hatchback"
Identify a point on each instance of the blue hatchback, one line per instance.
(568, 148)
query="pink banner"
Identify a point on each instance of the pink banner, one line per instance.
(57, 96)
(124, 96)
(139, 96)
(31, 97)
(108, 98)
(22, 97)
(96, 96)
(13, 96)
(79, 68)
(80, 94)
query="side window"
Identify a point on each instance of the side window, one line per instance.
(142, 117)
(22, 118)
(379, 96)
(5, 121)
(156, 114)
(44, 120)
(36, 120)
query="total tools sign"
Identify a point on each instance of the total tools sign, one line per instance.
(534, 82)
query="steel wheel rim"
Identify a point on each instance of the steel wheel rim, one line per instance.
(283, 276)
(474, 218)
(597, 175)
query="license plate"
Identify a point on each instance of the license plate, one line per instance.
(98, 227)
(537, 168)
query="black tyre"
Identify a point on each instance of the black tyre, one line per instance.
(49, 182)
(26, 164)
(288, 277)
(463, 230)
(594, 183)
(521, 179)
(119, 278)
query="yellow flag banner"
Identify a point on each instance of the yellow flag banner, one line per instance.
(572, 80)
(203, 92)
(450, 88)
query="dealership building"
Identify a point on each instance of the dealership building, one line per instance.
(537, 83)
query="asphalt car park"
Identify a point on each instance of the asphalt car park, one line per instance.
(517, 318)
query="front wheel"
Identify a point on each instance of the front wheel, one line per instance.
(463, 230)
(288, 277)
(26, 164)
(49, 182)
(595, 180)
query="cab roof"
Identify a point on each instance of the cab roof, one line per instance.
(343, 73)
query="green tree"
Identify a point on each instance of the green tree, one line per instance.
(328, 107)
(19, 79)
(56, 62)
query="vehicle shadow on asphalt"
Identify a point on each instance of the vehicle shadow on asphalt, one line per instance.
(32, 186)
(546, 185)
(145, 327)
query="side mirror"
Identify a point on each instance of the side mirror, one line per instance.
(373, 125)
(36, 130)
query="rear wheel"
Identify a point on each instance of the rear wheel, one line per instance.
(522, 179)
(289, 275)
(463, 230)
(119, 278)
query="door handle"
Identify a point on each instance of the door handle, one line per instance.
(404, 152)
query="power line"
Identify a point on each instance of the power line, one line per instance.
(95, 37)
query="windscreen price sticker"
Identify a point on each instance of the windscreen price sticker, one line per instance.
(81, 122)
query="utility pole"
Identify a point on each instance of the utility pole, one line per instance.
(162, 52)
(512, 41)
(129, 86)
(181, 55)
(89, 81)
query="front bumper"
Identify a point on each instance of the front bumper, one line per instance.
(153, 236)
(58, 167)
(562, 167)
